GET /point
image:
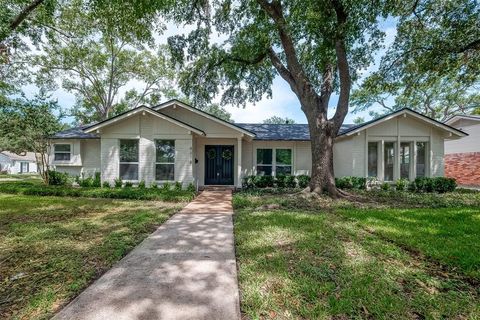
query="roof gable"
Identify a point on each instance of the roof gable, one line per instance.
(141, 109)
(175, 102)
(450, 121)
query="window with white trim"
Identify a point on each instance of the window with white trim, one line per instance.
(421, 164)
(283, 162)
(165, 160)
(62, 152)
(129, 155)
(389, 161)
(274, 162)
(264, 162)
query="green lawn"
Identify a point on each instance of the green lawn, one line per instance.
(51, 248)
(318, 258)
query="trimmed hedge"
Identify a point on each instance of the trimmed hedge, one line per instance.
(280, 181)
(436, 184)
(162, 194)
(358, 183)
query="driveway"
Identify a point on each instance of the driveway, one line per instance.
(184, 270)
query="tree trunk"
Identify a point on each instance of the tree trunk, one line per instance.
(322, 137)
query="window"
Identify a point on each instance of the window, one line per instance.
(372, 159)
(129, 159)
(264, 162)
(283, 161)
(23, 167)
(405, 160)
(389, 160)
(165, 160)
(62, 152)
(421, 159)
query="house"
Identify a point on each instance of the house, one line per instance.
(177, 142)
(13, 163)
(462, 157)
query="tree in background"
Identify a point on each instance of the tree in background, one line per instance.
(358, 120)
(27, 125)
(315, 46)
(279, 120)
(433, 66)
(97, 63)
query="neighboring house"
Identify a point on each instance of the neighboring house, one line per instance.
(462, 157)
(176, 142)
(13, 163)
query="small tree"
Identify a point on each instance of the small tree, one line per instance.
(27, 125)
(279, 120)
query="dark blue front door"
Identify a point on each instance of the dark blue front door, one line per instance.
(219, 165)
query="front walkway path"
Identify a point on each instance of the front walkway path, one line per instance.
(184, 270)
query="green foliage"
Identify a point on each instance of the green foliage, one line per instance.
(290, 181)
(401, 184)
(351, 182)
(303, 181)
(280, 181)
(118, 183)
(177, 186)
(97, 180)
(56, 178)
(29, 188)
(141, 184)
(191, 187)
(128, 184)
(385, 186)
(279, 120)
(106, 185)
(436, 184)
(86, 182)
(248, 182)
(154, 186)
(166, 186)
(263, 181)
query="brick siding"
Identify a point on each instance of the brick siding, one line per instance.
(464, 167)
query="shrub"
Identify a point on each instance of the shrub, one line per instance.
(191, 187)
(303, 181)
(106, 184)
(442, 184)
(385, 186)
(154, 186)
(290, 181)
(248, 182)
(128, 184)
(178, 186)
(280, 181)
(118, 183)
(141, 184)
(351, 183)
(166, 186)
(97, 182)
(401, 184)
(263, 181)
(423, 184)
(86, 183)
(56, 178)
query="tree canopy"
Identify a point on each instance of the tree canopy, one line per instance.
(279, 120)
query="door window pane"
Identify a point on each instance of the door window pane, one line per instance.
(129, 159)
(372, 159)
(421, 159)
(164, 172)
(389, 159)
(405, 160)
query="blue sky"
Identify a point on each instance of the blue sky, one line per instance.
(283, 103)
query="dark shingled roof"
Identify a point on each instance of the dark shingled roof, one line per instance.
(290, 132)
(75, 133)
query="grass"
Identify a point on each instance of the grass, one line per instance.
(37, 188)
(318, 258)
(51, 248)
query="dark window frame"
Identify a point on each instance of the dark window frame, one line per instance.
(137, 162)
(62, 152)
(165, 163)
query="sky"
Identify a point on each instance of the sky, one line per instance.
(283, 102)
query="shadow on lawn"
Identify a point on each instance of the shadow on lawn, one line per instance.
(320, 265)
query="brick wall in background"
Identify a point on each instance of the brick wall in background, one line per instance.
(464, 167)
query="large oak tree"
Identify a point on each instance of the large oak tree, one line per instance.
(237, 48)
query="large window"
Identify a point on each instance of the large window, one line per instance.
(264, 162)
(372, 159)
(421, 159)
(62, 152)
(129, 159)
(405, 160)
(165, 160)
(389, 161)
(283, 161)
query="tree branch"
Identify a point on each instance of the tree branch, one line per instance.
(24, 14)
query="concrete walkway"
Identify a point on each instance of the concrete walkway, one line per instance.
(184, 270)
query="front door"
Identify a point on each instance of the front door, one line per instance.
(219, 165)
